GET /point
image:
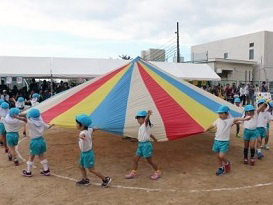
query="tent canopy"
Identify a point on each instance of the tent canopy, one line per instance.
(179, 108)
(90, 67)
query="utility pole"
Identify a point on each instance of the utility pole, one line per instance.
(177, 43)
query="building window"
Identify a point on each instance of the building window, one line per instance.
(251, 45)
(225, 55)
(251, 54)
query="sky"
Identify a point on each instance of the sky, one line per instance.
(109, 28)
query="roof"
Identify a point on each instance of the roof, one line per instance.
(91, 67)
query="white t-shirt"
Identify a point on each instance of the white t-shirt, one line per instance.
(12, 124)
(223, 129)
(269, 117)
(262, 119)
(86, 144)
(3, 113)
(143, 133)
(252, 123)
(36, 127)
(20, 105)
(34, 102)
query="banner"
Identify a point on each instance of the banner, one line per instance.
(8, 80)
(19, 80)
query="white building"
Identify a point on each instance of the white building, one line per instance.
(243, 58)
(153, 55)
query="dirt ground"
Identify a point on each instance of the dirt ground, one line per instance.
(188, 174)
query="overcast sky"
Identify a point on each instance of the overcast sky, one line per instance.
(108, 28)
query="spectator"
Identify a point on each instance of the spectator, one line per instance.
(264, 87)
(33, 86)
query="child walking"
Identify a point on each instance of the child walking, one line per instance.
(12, 126)
(145, 147)
(222, 137)
(262, 120)
(237, 102)
(4, 110)
(250, 133)
(87, 160)
(20, 104)
(37, 145)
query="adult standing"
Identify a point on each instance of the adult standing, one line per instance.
(242, 93)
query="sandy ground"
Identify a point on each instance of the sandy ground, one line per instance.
(188, 174)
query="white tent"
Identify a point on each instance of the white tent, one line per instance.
(90, 67)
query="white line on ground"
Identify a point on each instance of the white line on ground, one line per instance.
(150, 189)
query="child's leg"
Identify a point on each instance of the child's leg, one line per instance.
(267, 137)
(44, 162)
(12, 152)
(83, 171)
(135, 162)
(150, 161)
(221, 158)
(237, 129)
(246, 147)
(98, 174)
(30, 163)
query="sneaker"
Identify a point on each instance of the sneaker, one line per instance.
(156, 175)
(26, 174)
(83, 182)
(16, 162)
(260, 155)
(131, 175)
(252, 161)
(106, 182)
(227, 167)
(246, 161)
(266, 147)
(9, 157)
(220, 171)
(45, 173)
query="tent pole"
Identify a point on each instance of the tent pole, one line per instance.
(51, 77)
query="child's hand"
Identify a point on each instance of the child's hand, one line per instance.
(247, 117)
(150, 112)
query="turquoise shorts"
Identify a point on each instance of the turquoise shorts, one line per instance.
(37, 146)
(12, 139)
(2, 129)
(87, 159)
(267, 127)
(262, 132)
(144, 149)
(220, 146)
(250, 134)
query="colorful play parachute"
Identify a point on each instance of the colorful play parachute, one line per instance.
(179, 108)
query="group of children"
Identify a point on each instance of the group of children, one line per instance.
(256, 132)
(255, 123)
(12, 120)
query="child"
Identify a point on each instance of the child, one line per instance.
(145, 147)
(237, 102)
(34, 99)
(250, 133)
(12, 126)
(4, 109)
(20, 104)
(37, 144)
(261, 125)
(270, 117)
(87, 160)
(222, 137)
